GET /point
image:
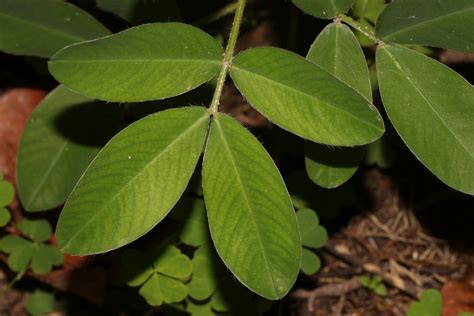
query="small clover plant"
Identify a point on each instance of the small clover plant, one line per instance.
(115, 189)
(31, 250)
(7, 194)
(375, 284)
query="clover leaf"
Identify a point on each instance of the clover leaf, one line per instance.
(40, 303)
(374, 284)
(313, 236)
(429, 305)
(5, 217)
(158, 274)
(7, 193)
(194, 231)
(32, 252)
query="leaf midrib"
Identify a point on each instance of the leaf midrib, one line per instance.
(417, 25)
(114, 197)
(247, 202)
(314, 97)
(397, 64)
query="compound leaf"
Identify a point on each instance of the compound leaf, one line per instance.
(152, 292)
(40, 303)
(135, 269)
(324, 9)
(312, 234)
(432, 108)
(44, 258)
(173, 263)
(204, 281)
(173, 290)
(446, 24)
(41, 29)
(304, 99)
(147, 62)
(250, 214)
(134, 181)
(55, 148)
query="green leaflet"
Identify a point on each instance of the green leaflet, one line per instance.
(5, 216)
(61, 138)
(432, 108)
(337, 51)
(147, 62)
(40, 303)
(310, 262)
(7, 192)
(324, 9)
(446, 23)
(430, 304)
(304, 99)
(313, 236)
(367, 9)
(250, 215)
(30, 28)
(142, 11)
(133, 182)
(38, 230)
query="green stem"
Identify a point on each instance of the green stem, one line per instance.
(219, 14)
(228, 55)
(367, 31)
(13, 282)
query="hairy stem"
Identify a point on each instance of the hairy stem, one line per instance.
(367, 31)
(228, 55)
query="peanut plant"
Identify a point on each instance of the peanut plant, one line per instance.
(117, 190)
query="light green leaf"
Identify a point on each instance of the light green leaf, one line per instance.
(7, 193)
(331, 167)
(147, 62)
(446, 24)
(337, 51)
(40, 303)
(37, 230)
(310, 262)
(173, 290)
(171, 262)
(205, 280)
(142, 11)
(304, 99)
(134, 181)
(251, 218)
(324, 9)
(380, 290)
(5, 217)
(55, 148)
(199, 309)
(432, 108)
(152, 291)
(44, 258)
(42, 28)
(195, 230)
(429, 305)
(312, 234)
(135, 269)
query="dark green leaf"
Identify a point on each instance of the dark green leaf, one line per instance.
(304, 99)
(44, 258)
(42, 28)
(142, 11)
(251, 218)
(446, 23)
(134, 181)
(7, 193)
(5, 217)
(368, 9)
(147, 62)
(324, 9)
(56, 148)
(432, 108)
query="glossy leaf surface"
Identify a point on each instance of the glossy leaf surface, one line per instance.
(446, 23)
(304, 99)
(324, 9)
(56, 148)
(147, 62)
(42, 28)
(134, 181)
(250, 214)
(432, 108)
